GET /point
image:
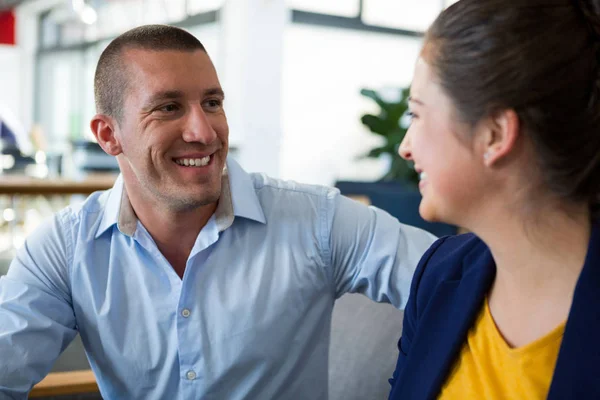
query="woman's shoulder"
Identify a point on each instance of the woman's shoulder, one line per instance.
(450, 257)
(455, 246)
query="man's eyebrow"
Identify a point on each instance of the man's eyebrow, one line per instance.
(412, 99)
(215, 91)
(165, 95)
(177, 94)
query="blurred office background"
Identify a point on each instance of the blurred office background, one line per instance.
(292, 71)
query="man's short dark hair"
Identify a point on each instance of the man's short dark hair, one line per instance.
(110, 81)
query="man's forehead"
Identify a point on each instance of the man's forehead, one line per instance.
(170, 70)
(148, 58)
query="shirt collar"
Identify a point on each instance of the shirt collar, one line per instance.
(243, 194)
(113, 206)
(238, 198)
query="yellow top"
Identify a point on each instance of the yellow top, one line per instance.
(488, 368)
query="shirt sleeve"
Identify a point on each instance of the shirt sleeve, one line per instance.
(36, 314)
(372, 253)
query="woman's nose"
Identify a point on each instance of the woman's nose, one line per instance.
(405, 149)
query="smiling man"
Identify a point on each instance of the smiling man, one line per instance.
(191, 278)
(169, 134)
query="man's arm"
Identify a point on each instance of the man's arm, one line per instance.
(36, 315)
(372, 253)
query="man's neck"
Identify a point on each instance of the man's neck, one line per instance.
(173, 231)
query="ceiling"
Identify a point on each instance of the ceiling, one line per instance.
(6, 4)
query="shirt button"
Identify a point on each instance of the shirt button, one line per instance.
(185, 313)
(191, 375)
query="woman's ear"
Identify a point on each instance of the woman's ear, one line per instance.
(500, 136)
(104, 130)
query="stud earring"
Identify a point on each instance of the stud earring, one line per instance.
(486, 156)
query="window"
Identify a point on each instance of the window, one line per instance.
(345, 8)
(202, 6)
(413, 15)
(323, 72)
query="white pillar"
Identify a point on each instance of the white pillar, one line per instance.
(251, 64)
(26, 17)
(26, 38)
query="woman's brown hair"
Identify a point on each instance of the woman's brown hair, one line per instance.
(539, 58)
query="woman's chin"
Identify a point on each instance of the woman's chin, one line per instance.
(427, 212)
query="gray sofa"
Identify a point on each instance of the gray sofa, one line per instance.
(363, 353)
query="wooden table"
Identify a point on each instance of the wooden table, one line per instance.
(63, 383)
(15, 186)
(24, 185)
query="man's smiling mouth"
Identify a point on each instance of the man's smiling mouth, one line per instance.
(193, 162)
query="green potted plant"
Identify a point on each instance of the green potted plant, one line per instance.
(391, 124)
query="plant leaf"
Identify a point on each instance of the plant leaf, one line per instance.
(376, 97)
(387, 125)
(376, 124)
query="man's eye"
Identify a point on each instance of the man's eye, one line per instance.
(169, 108)
(213, 104)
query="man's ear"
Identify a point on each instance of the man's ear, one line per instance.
(104, 130)
(500, 137)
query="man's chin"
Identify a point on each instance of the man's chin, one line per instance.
(194, 201)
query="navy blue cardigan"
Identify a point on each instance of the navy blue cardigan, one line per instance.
(447, 293)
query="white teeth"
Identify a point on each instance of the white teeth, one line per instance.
(194, 162)
(422, 176)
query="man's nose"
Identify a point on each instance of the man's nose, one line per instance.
(198, 127)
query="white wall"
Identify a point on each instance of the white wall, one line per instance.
(324, 70)
(10, 79)
(250, 69)
(12, 97)
(26, 16)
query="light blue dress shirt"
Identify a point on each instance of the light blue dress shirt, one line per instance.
(251, 317)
